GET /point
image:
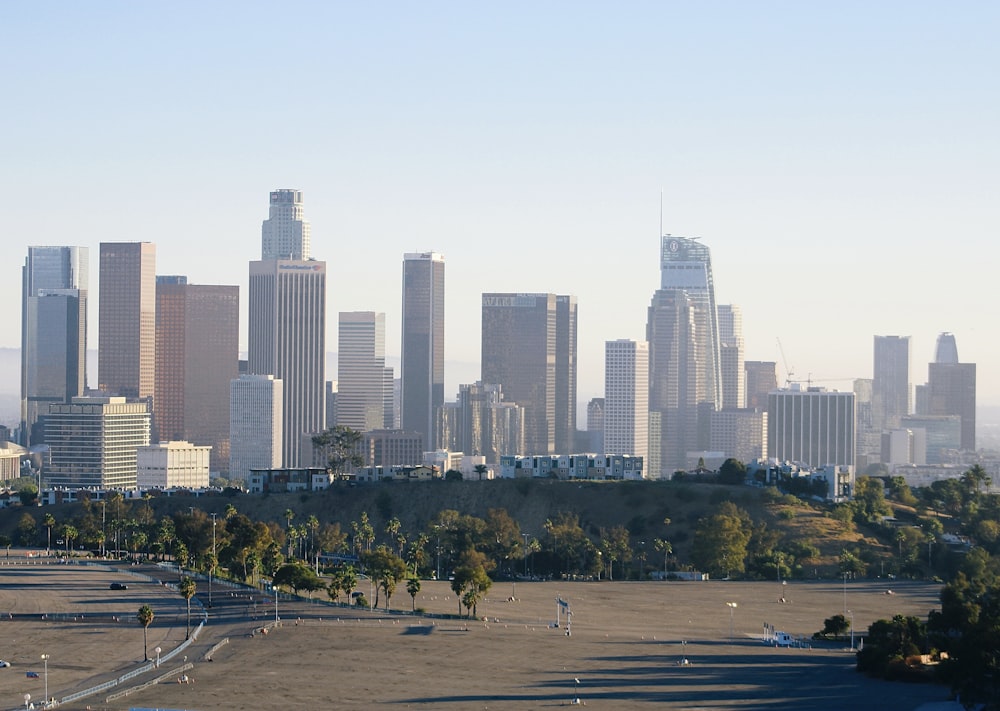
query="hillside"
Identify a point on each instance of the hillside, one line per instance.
(639, 506)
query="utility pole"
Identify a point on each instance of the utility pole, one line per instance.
(211, 568)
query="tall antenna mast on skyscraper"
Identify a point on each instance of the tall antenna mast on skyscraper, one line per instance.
(661, 212)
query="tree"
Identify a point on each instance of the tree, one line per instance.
(48, 520)
(413, 587)
(298, 576)
(340, 445)
(834, 626)
(70, 534)
(732, 471)
(187, 588)
(27, 529)
(615, 547)
(720, 540)
(145, 617)
(364, 533)
(664, 547)
(386, 569)
(481, 470)
(453, 475)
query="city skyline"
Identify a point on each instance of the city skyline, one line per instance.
(842, 174)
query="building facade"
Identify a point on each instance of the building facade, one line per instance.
(740, 434)
(761, 379)
(891, 381)
(168, 465)
(197, 355)
(126, 336)
(361, 372)
(287, 339)
(255, 424)
(524, 353)
(93, 442)
(422, 357)
(626, 397)
(55, 285)
(732, 367)
(285, 234)
(480, 423)
(812, 427)
(386, 448)
(951, 390)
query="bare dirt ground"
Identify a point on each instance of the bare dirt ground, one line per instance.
(625, 649)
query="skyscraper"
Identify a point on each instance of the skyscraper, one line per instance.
(685, 364)
(480, 423)
(422, 366)
(197, 355)
(890, 381)
(951, 390)
(626, 397)
(361, 378)
(55, 283)
(731, 357)
(762, 378)
(285, 234)
(565, 374)
(287, 332)
(524, 353)
(126, 337)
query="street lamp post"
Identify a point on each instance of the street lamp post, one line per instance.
(732, 610)
(45, 660)
(438, 529)
(157, 650)
(525, 536)
(852, 629)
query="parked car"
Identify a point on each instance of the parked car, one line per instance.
(4, 664)
(119, 586)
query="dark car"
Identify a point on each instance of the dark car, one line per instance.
(119, 586)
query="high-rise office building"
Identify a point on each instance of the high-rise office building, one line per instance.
(595, 424)
(566, 349)
(740, 433)
(522, 351)
(951, 390)
(422, 357)
(285, 234)
(626, 397)
(731, 359)
(361, 372)
(891, 381)
(682, 330)
(55, 284)
(255, 424)
(761, 378)
(197, 355)
(287, 324)
(813, 427)
(93, 442)
(126, 336)
(287, 339)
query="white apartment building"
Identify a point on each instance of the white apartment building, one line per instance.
(255, 424)
(626, 397)
(173, 464)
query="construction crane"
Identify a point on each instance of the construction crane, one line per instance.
(784, 361)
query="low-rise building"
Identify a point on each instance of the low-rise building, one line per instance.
(573, 466)
(173, 464)
(288, 479)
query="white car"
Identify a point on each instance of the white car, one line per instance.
(4, 664)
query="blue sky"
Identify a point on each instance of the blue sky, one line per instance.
(840, 159)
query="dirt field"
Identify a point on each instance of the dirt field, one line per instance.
(626, 646)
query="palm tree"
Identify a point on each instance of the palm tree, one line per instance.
(145, 617)
(48, 520)
(413, 587)
(481, 470)
(187, 589)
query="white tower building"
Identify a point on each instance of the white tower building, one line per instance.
(626, 397)
(255, 424)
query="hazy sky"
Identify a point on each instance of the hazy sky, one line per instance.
(840, 159)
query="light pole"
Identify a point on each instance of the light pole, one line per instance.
(732, 610)
(438, 529)
(525, 536)
(845, 592)
(45, 660)
(157, 650)
(852, 629)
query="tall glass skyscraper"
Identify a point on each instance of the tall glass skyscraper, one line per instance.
(890, 381)
(682, 328)
(361, 380)
(422, 366)
(55, 284)
(126, 336)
